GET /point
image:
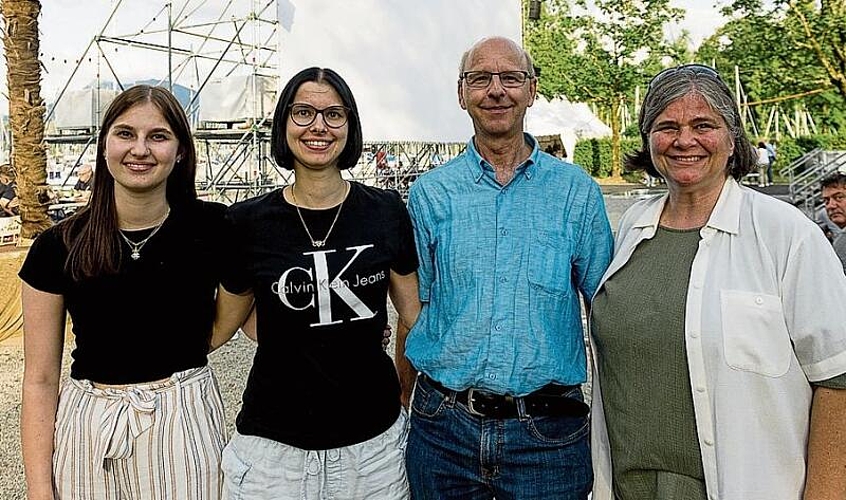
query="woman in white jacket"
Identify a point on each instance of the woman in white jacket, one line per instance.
(719, 332)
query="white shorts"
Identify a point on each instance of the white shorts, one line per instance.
(158, 441)
(256, 468)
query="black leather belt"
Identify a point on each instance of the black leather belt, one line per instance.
(546, 401)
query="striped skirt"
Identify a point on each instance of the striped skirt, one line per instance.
(157, 441)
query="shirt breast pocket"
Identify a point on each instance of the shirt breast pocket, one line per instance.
(755, 337)
(549, 263)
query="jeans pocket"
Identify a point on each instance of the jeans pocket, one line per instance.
(427, 402)
(234, 471)
(557, 430)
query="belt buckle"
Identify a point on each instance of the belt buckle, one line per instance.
(471, 393)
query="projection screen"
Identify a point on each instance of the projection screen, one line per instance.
(400, 57)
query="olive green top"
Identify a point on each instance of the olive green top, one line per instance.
(638, 325)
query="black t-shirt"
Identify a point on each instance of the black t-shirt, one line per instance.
(7, 191)
(320, 378)
(154, 317)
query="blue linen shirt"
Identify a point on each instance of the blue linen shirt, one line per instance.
(503, 271)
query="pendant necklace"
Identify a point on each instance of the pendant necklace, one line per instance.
(136, 247)
(318, 243)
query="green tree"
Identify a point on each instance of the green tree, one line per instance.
(776, 65)
(814, 27)
(823, 25)
(602, 52)
(549, 40)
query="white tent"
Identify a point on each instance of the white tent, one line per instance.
(560, 117)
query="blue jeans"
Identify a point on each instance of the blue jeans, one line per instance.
(452, 454)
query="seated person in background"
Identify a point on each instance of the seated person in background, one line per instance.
(8, 192)
(82, 188)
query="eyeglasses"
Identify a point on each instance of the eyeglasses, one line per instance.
(695, 68)
(481, 79)
(333, 116)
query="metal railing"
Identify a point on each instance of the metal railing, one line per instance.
(804, 176)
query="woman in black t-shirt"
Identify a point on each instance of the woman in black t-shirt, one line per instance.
(140, 415)
(321, 411)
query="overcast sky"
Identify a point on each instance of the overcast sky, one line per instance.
(67, 27)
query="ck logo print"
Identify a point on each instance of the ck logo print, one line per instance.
(317, 282)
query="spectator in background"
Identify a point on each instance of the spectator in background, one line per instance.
(8, 192)
(83, 182)
(381, 160)
(771, 154)
(834, 199)
(762, 161)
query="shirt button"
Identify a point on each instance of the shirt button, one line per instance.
(492, 376)
(700, 388)
(498, 327)
(759, 300)
(709, 442)
(694, 335)
(504, 232)
(503, 280)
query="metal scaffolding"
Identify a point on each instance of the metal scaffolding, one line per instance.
(200, 44)
(193, 43)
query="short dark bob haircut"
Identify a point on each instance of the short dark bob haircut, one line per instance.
(673, 84)
(279, 149)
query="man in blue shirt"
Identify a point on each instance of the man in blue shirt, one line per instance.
(511, 240)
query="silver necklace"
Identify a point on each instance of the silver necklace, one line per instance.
(136, 247)
(318, 243)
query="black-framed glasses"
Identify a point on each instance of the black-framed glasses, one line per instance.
(333, 116)
(481, 79)
(695, 68)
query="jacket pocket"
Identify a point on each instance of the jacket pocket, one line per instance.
(755, 337)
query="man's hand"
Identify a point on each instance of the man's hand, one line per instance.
(386, 337)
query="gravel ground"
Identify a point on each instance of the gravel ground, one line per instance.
(231, 364)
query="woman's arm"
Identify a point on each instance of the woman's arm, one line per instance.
(249, 327)
(231, 311)
(403, 292)
(44, 332)
(827, 446)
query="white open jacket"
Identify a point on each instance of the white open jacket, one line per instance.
(765, 314)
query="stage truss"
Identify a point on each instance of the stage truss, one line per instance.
(234, 161)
